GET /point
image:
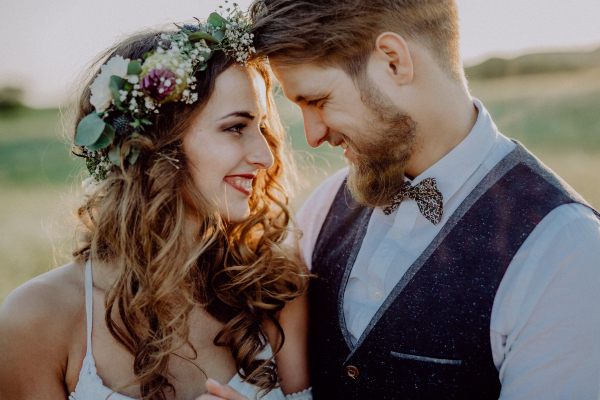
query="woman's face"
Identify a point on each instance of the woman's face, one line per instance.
(225, 146)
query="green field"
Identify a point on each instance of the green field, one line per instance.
(556, 115)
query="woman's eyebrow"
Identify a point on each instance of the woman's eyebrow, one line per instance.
(244, 114)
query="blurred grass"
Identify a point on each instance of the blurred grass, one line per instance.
(557, 116)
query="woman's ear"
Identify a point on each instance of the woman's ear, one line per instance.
(392, 57)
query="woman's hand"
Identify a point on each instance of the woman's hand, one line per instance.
(217, 391)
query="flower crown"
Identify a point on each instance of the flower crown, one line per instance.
(127, 92)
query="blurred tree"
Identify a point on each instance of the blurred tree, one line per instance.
(11, 98)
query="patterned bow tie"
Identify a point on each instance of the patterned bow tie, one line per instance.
(428, 198)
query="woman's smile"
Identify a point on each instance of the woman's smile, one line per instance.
(243, 182)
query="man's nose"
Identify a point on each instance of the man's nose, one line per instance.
(314, 127)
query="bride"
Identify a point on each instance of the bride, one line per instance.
(179, 274)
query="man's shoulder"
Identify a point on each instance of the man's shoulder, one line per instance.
(323, 195)
(314, 211)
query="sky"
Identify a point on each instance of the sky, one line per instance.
(46, 44)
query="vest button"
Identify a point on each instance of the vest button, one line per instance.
(351, 372)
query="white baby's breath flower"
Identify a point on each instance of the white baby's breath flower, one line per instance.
(87, 184)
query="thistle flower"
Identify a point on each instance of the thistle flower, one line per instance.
(160, 75)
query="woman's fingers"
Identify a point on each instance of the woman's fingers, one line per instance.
(216, 391)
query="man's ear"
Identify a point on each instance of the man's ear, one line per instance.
(392, 54)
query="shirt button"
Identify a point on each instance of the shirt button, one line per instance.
(377, 296)
(351, 372)
(398, 234)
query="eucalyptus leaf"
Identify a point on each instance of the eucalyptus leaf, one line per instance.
(106, 138)
(196, 37)
(114, 155)
(184, 29)
(134, 67)
(149, 54)
(216, 20)
(203, 68)
(135, 153)
(219, 35)
(145, 122)
(89, 130)
(117, 83)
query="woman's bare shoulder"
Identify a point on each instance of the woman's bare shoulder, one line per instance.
(46, 305)
(38, 323)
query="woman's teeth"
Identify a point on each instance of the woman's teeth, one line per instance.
(245, 183)
(344, 145)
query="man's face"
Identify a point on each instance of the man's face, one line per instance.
(377, 137)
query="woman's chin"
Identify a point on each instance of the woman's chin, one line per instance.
(235, 214)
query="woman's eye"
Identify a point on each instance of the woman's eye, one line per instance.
(264, 129)
(236, 128)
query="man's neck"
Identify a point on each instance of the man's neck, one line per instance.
(445, 121)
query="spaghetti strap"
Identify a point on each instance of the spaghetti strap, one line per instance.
(88, 303)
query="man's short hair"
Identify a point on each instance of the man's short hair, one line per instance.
(342, 33)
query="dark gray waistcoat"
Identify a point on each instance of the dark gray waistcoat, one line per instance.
(431, 337)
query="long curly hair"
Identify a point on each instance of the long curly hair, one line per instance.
(137, 220)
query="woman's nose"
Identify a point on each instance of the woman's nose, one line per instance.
(261, 155)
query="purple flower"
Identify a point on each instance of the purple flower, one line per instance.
(159, 83)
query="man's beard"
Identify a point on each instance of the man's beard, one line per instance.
(383, 151)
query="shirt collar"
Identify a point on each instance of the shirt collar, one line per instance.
(453, 170)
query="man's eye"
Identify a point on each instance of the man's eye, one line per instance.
(236, 128)
(319, 103)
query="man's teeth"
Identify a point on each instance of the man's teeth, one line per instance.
(344, 145)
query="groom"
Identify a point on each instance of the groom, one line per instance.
(451, 262)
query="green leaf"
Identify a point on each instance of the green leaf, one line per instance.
(149, 54)
(203, 68)
(106, 138)
(184, 30)
(196, 37)
(114, 155)
(134, 67)
(117, 83)
(89, 130)
(135, 153)
(216, 20)
(145, 121)
(219, 35)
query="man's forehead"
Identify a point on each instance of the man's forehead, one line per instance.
(304, 81)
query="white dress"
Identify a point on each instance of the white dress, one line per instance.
(90, 386)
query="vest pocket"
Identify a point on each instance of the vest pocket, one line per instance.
(425, 359)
